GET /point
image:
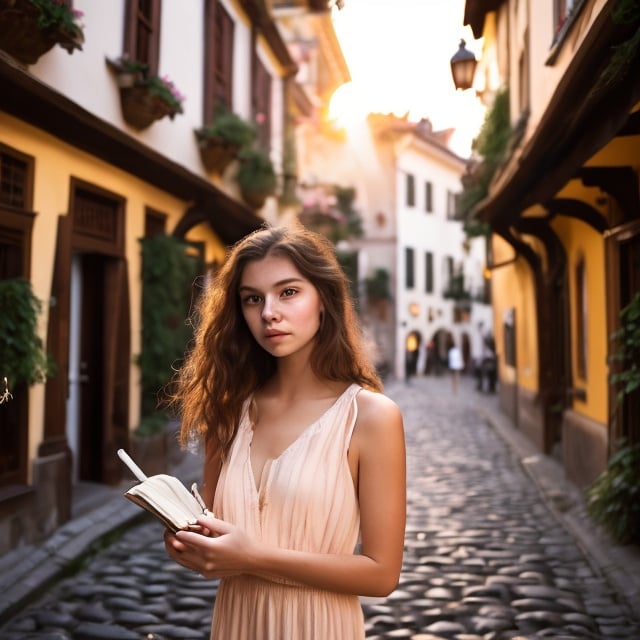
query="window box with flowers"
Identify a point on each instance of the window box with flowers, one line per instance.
(256, 177)
(220, 142)
(30, 28)
(144, 98)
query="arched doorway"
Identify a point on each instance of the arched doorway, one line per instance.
(412, 346)
(438, 348)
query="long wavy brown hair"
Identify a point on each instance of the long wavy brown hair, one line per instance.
(225, 365)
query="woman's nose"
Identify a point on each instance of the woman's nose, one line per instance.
(270, 310)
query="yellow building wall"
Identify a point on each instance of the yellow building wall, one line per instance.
(215, 251)
(512, 288)
(55, 163)
(583, 242)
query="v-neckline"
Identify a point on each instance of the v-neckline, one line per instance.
(259, 484)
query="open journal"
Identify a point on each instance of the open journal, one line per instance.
(165, 497)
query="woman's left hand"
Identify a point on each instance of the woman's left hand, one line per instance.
(219, 550)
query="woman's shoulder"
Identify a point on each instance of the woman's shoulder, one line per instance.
(376, 410)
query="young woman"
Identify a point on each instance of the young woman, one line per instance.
(305, 458)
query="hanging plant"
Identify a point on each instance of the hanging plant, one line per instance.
(221, 141)
(144, 97)
(378, 286)
(329, 209)
(30, 28)
(23, 359)
(256, 177)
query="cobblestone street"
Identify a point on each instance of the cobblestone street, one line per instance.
(485, 558)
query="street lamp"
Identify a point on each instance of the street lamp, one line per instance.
(463, 66)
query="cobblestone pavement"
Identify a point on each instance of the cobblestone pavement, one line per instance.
(485, 558)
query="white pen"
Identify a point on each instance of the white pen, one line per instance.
(198, 497)
(133, 467)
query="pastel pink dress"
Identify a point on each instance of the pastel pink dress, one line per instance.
(306, 501)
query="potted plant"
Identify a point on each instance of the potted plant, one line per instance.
(221, 141)
(613, 500)
(30, 28)
(377, 286)
(144, 98)
(127, 72)
(256, 177)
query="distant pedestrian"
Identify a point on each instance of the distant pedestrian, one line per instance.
(456, 365)
(478, 372)
(490, 363)
(421, 363)
(304, 456)
(431, 357)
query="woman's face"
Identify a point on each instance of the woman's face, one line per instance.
(281, 307)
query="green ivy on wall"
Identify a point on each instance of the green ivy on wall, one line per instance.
(168, 272)
(491, 144)
(613, 500)
(23, 359)
(627, 352)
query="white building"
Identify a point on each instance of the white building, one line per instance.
(406, 181)
(440, 290)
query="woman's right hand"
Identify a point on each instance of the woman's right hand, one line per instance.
(218, 550)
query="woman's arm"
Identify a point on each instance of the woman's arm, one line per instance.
(378, 453)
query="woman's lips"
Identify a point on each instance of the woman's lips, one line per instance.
(271, 335)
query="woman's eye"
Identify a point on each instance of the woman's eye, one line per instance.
(288, 292)
(251, 299)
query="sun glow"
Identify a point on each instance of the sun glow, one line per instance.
(347, 106)
(399, 64)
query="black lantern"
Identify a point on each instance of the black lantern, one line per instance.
(463, 66)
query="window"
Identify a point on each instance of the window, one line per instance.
(261, 101)
(449, 268)
(565, 14)
(218, 67)
(411, 190)
(581, 319)
(428, 197)
(16, 218)
(14, 180)
(428, 272)
(409, 277)
(452, 205)
(142, 32)
(155, 222)
(562, 10)
(98, 218)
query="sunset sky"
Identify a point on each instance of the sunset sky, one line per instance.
(398, 53)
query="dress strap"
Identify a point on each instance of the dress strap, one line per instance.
(352, 414)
